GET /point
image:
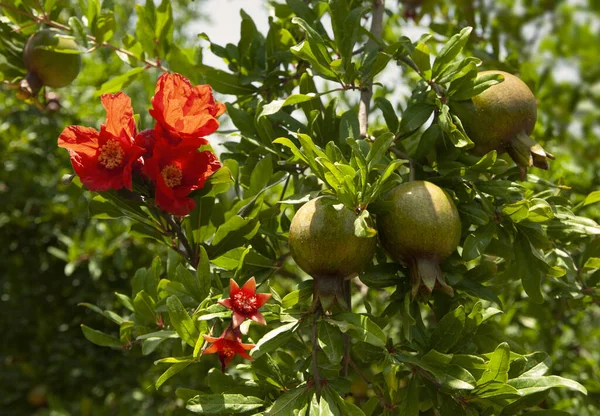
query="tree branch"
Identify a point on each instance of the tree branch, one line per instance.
(367, 91)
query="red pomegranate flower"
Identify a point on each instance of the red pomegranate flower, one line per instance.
(184, 112)
(103, 160)
(227, 346)
(177, 171)
(245, 302)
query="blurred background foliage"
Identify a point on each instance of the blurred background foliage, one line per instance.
(53, 257)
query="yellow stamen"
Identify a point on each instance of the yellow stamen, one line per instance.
(172, 175)
(111, 155)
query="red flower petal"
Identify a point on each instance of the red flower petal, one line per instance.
(262, 298)
(79, 139)
(226, 303)
(234, 288)
(185, 111)
(119, 115)
(237, 319)
(177, 171)
(249, 287)
(103, 160)
(258, 318)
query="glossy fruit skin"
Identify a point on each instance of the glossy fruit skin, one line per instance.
(54, 69)
(495, 117)
(322, 240)
(419, 220)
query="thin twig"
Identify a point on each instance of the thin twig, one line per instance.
(367, 91)
(183, 240)
(21, 12)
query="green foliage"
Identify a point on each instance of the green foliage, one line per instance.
(519, 336)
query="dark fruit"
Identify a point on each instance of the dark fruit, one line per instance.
(502, 118)
(323, 244)
(56, 67)
(419, 225)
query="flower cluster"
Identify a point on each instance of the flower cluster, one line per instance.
(244, 302)
(166, 155)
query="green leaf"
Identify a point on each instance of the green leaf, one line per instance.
(497, 367)
(379, 148)
(527, 268)
(359, 327)
(427, 142)
(261, 175)
(290, 145)
(232, 234)
(181, 321)
(290, 402)
(450, 50)
(144, 309)
(540, 211)
(409, 398)
(118, 83)
(274, 339)
(170, 372)
(362, 228)
(125, 301)
(593, 263)
(477, 242)
(191, 283)
(477, 86)
(389, 114)
(214, 404)
(103, 27)
(415, 115)
(78, 31)
(592, 198)
(530, 385)
(100, 338)
(449, 330)
(421, 58)
(276, 105)
(226, 83)
(313, 50)
(203, 272)
(163, 30)
(304, 50)
(331, 342)
(107, 314)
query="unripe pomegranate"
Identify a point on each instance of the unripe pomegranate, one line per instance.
(55, 68)
(502, 118)
(323, 244)
(419, 225)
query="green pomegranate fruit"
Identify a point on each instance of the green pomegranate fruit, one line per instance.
(56, 67)
(419, 225)
(502, 118)
(323, 244)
